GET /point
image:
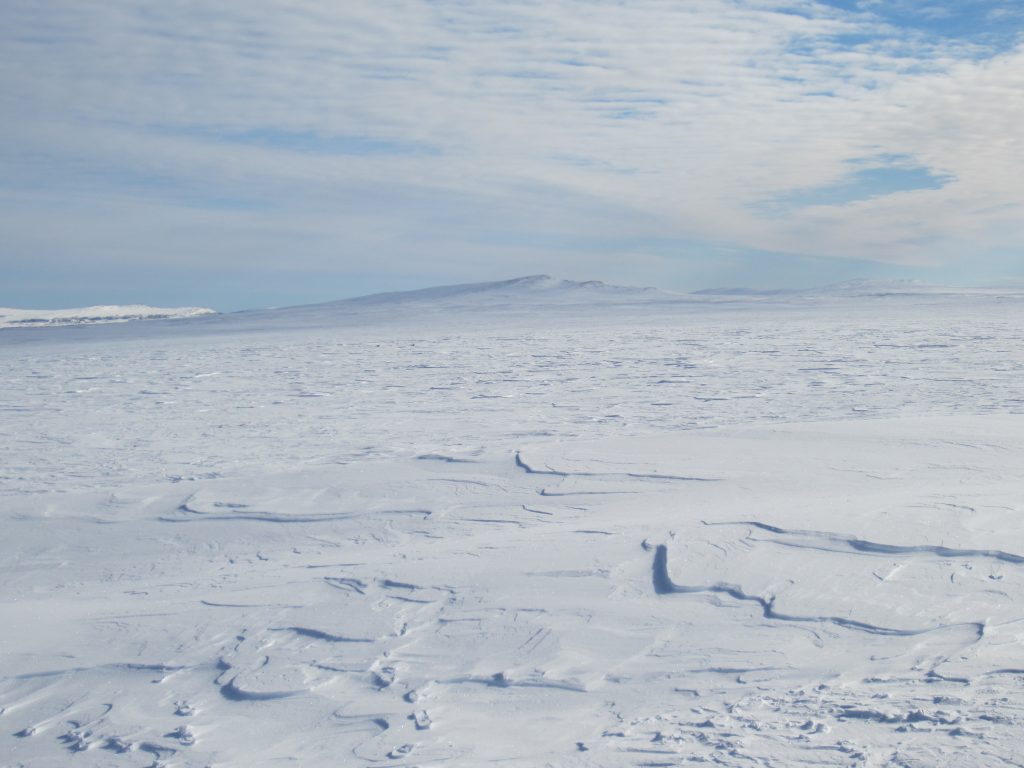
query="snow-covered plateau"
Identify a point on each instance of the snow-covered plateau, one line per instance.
(29, 318)
(532, 523)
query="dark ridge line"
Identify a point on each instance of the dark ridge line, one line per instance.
(854, 712)
(347, 584)
(442, 457)
(635, 475)
(357, 720)
(461, 481)
(546, 492)
(537, 511)
(663, 585)
(392, 584)
(933, 676)
(736, 670)
(232, 692)
(127, 666)
(201, 518)
(495, 522)
(876, 548)
(213, 604)
(195, 516)
(318, 634)
(499, 680)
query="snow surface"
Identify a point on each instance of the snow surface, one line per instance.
(868, 288)
(22, 318)
(526, 530)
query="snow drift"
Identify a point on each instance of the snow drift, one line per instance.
(595, 533)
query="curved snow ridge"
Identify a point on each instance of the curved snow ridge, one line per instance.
(663, 585)
(530, 470)
(114, 313)
(894, 716)
(502, 680)
(444, 458)
(233, 692)
(124, 666)
(318, 634)
(834, 542)
(347, 584)
(190, 514)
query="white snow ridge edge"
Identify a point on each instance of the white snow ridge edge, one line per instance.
(114, 313)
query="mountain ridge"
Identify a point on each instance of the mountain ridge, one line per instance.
(539, 285)
(529, 293)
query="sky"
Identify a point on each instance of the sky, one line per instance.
(269, 152)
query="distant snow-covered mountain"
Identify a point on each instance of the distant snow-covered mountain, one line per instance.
(531, 293)
(34, 318)
(533, 296)
(531, 288)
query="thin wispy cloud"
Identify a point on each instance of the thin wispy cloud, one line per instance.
(453, 138)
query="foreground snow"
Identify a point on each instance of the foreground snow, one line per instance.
(771, 535)
(27, 318)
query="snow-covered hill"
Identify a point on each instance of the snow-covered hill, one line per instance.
(33, 318)
(533, 291)
(524, 299)
(533, 295)
(533, 288)
(536, 297)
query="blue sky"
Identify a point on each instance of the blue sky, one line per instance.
(265, 153)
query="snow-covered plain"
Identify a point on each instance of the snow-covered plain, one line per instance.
(533, 523)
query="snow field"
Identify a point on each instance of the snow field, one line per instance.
(751, 536)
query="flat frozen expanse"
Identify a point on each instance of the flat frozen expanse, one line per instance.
(636, 533)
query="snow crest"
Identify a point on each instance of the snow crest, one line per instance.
(114, 313)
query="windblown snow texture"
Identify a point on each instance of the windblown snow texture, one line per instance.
(528, 523)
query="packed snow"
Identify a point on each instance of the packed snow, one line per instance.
(27, 318)
(526, 523)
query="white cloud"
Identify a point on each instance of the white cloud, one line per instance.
(681, 118)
